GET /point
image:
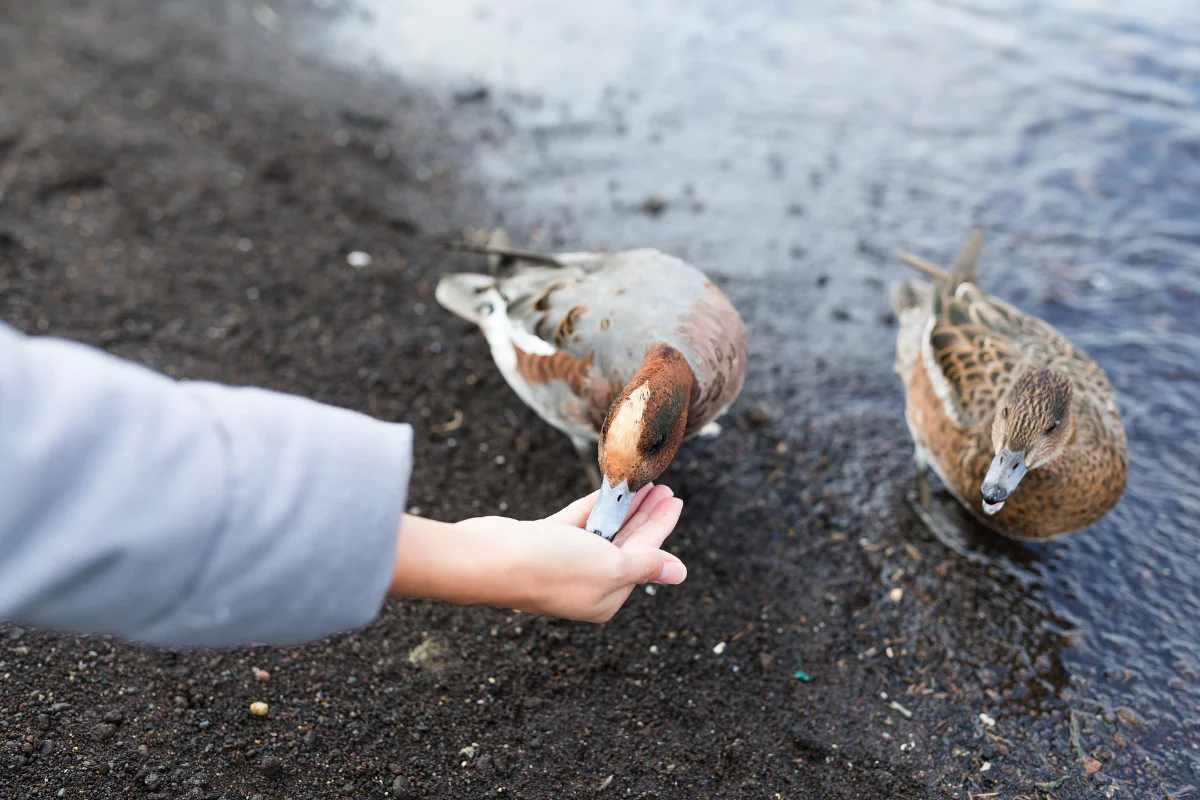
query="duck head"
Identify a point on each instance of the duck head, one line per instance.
(640, 435)
(1032, 427)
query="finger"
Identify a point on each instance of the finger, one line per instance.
(654, 531)
(575, 514)
(641, 515)
(639, 501)
(654, 566)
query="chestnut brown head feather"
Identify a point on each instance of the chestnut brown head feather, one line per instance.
(646, 422)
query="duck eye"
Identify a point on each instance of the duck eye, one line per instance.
(1053, 427)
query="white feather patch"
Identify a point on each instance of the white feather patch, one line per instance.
(502, 334)
(501, 331)
(634, 407)
(941, 386)
(626, 426)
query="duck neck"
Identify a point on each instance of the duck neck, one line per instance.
(665, 368)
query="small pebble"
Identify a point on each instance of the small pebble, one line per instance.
(896, 594)
(986, 720)
(358, 259)
(153, 780)
(103, 732)
(262, 674)
(43, 722)
(270, 766)
(259, 708)
(1091, 766)
(719, 648)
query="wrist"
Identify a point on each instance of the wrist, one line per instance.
(455, 563)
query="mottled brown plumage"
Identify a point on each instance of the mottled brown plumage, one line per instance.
(990, 392)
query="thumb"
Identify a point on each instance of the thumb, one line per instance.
(654, 566)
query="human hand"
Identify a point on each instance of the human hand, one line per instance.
(549, 566)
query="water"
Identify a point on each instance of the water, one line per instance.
(795, 147)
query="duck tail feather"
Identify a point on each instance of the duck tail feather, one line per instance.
(908, 294)
(466, 295)
(965, 268)
(924, 267)
(500, 254)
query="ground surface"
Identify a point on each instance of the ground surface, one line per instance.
(178, 193)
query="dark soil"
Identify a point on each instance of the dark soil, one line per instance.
(178, 190)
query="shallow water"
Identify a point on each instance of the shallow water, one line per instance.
(794, 148)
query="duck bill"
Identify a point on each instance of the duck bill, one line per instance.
(608, 514)
(1006, 471)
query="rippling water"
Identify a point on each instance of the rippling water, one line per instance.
(794, 147)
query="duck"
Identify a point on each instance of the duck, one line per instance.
(1019, 424)
(629, 354)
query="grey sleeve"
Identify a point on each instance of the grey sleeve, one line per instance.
(187, 513)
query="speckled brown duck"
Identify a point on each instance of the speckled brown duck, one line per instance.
(1021, 425)
(635, 351)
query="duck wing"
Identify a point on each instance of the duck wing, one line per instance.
(588, 318)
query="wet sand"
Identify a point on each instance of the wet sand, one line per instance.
(184, 191)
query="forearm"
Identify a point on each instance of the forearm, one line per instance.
(187, 513)
(455, 564)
